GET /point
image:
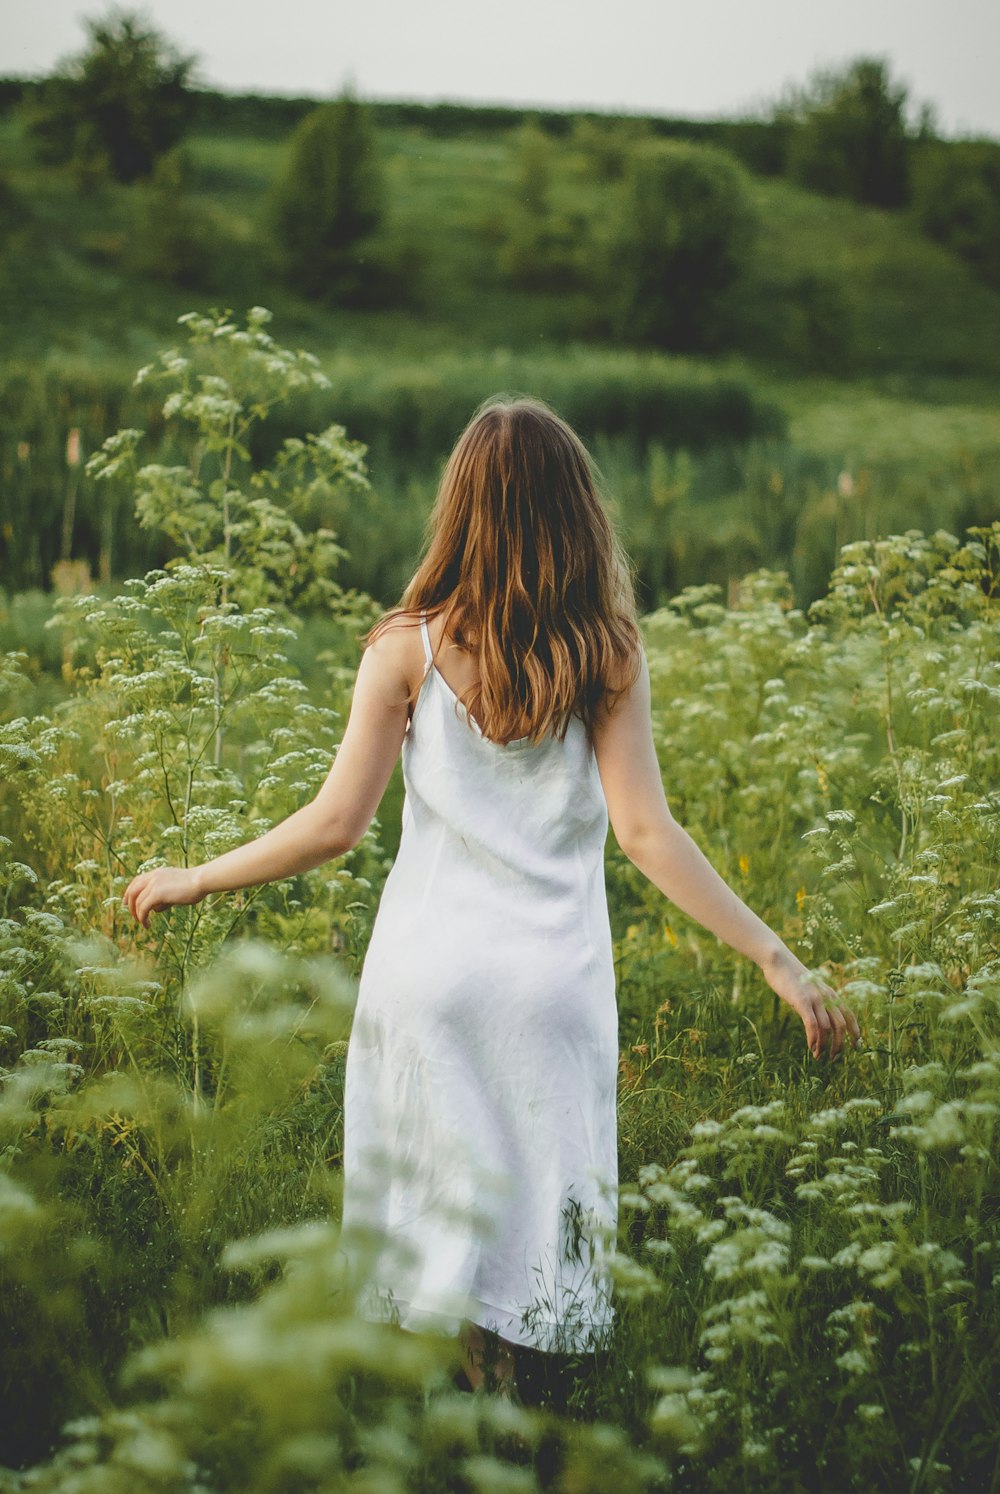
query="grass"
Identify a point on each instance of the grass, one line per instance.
(806, 1257)
(917, 308)
(915, 404)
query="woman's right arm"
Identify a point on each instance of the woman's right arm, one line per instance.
(331, 823)
(665, 853)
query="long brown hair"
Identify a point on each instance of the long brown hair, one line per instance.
(521, 555)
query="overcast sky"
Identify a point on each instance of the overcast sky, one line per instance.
(701, 58)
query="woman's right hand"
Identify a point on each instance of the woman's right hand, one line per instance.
(817, 1003)
(166, 887)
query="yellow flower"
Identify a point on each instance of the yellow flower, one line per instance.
(670, 936)
(744, 865)
(800, 897)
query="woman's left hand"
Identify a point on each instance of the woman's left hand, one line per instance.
(166, 887)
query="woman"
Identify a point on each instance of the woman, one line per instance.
(480, 1124)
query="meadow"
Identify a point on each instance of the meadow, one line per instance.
(854, 394)
(808, 1257)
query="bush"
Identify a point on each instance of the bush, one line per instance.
(15, 214)
(328, 207)
(685, 226)
(542, 247)
(606, 145)
(957, 201)
(172, 237)
(117, 106)
(820, 328)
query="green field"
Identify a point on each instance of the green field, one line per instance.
(912, 406)
(808, 1256)
(805, 1270)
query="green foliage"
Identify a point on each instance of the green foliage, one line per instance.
(606, 145)
(850, 137)
(118, 105)
(915, 309)
(797, 1245)
(196, 653)
(172, 237)
(329, 205)
(820, 331)
(542, 248)
(886, 305)
(816, 1241)
(683, 230)
(409, 411)
(956, 200)
(14, 213)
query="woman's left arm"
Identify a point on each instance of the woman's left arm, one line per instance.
(333, 822)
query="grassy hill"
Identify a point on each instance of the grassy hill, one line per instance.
(911, 335)
(914, 308)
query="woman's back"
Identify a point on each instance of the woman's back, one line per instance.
(533, 812)
(485, 1042)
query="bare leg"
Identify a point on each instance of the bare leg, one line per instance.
(488, 1358)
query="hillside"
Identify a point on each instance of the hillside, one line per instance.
(913, 308)
(857, 344)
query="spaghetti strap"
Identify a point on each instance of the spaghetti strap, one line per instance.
(428, 651)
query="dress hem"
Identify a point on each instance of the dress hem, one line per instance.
(550, 1336)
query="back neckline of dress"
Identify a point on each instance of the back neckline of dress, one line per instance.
(503, 746)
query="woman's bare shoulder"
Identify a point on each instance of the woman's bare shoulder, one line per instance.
(398, 652)
(628, 687)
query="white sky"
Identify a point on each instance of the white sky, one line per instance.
(707, 58)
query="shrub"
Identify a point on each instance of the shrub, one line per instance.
(542, 247)
(328, 206)
(684, 228)
(957, 200)
(171, 237)
(606, 145)
(15, 213)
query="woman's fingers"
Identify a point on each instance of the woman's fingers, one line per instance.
(837, 1021)
(132, 892)
(151, 892)
(142, 897)
(819, 1006)
(839, 1026)
(819, 1028)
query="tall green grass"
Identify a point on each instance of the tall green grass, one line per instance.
(807, 1258)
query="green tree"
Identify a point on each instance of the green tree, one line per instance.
(172, 235)
(117, 106)
(684, 228)
(850, 136)
(329, 203)
(541, 248)
(956, 199)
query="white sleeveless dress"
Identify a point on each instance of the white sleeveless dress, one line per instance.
(480, 1148)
